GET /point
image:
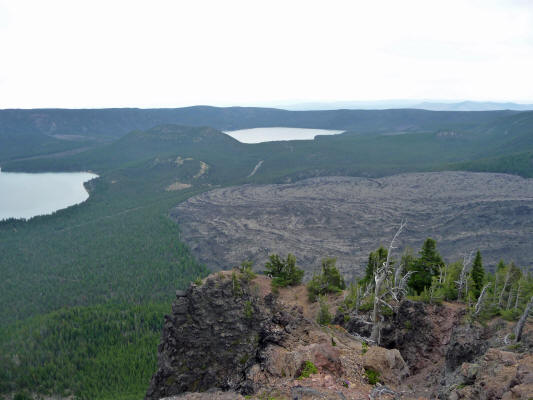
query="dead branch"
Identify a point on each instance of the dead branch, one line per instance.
(522, 321)
(380, 277)
(506, 282)
(480, 300)
(463, 277)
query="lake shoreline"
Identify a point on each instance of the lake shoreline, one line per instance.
(278, 133)
(26, 195)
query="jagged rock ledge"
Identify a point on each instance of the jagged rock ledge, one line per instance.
(233, 337)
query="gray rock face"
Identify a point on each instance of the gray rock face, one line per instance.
(467, 342)
(215, 333)
(347, 217)
(421, 333)
(411, 332)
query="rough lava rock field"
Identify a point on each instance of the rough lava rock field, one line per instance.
(347, 217)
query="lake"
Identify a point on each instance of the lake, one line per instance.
(259, 135)
(24, 195)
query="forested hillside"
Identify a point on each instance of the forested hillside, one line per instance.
(64, 128)
(117, 122)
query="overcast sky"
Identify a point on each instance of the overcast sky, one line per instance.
(154, 53)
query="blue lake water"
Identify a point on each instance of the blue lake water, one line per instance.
(259, 135)
(24, 195)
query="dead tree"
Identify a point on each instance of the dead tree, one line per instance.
(462, 283)
(506, 282)
(480, 300)
(509, 298)
(518, 294)
(522, 321)
(380, 277)
(495, 291)
(357, 299)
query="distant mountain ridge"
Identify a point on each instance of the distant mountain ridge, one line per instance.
(113, 123)
(25, 133)
(416, 104)
(474, 106)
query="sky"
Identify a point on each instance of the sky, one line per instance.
(158, 53)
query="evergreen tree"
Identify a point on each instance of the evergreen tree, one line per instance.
(426, 266)
(329, 281)
(284, 273)
(478, 275)
(375, 260)
(324, 316)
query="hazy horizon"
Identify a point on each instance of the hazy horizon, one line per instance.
(101, 54)
(296, 104)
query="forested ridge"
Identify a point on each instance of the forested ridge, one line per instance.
(94, 352)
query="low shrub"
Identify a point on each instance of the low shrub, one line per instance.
(324, 316)
(372, 376)
(308, 368)
(329, 281)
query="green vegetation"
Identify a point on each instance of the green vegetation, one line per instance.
(95, 352)
(248, 309)
(198, 281)
(236, 285)
(375, 260)
(372, 376)
(247, 274)
(94, 253)
(425, 267)
(324, 316)
(308, 368)
(352, 296)
(505, 292)
(364, 348)
(478, 275)
(284, 273)
(329, 281)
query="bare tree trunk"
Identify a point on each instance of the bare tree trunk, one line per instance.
(380, 275)
(479, 304)
(509, 298)
(466, 293)
(522, 321)
(507, 277)
(494, 293)
(358, 301)
(517, 295)
(463, 277)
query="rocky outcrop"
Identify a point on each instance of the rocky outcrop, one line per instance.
(389, 363)
(210, 395)
(442, 348)
(467, 342)
(213, 337)
(421, 332)
(233, 334)
(498, 374)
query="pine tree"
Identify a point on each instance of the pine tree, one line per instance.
(478, 275)
(426, 266)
